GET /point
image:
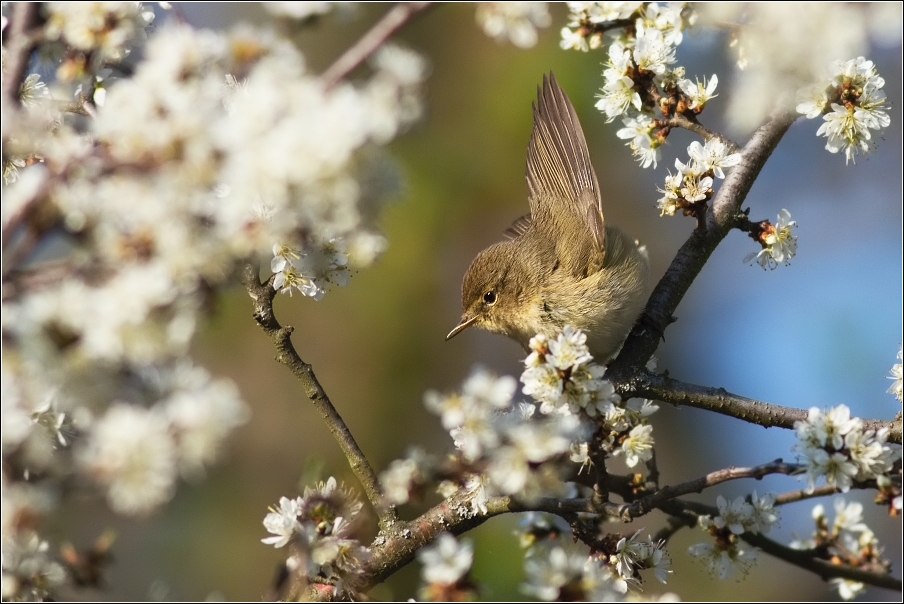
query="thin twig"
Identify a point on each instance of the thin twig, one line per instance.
(663, 388)
(803, 494)
(391, 22)
(680, 120)
(262, 294)
(641, 507)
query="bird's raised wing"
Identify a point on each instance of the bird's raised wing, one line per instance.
(563, 190)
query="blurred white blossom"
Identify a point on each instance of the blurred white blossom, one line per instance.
(447, 560)
(130, 453)
(782, 47)
(516, 22)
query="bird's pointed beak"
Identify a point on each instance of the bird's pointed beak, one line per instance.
(466, 322)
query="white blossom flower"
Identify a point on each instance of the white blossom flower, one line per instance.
(779, 245)
(447, 560)
(835, 446)
(572, 40)
(699, 92)
(601, 12)
(736, 516)
(283, 522)
(723, 563)
(638, 446)
(668, 203)
(713, 156)
(488, 390)
(813, 101)
(29, 572)
(201, 415)
(895, 371)
(667, 18)
(104, 27)
(298, 10)
(697, 189)
(764, 514)
(33, 92)
(651, 51)
(659, 561)
(618, 95)
(549, 573)
(847, 588)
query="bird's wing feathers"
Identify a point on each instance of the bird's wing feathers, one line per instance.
(559, 173)
(519, 227)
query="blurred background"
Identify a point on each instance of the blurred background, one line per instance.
(820, 332)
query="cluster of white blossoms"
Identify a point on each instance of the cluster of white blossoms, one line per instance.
(641, 58)
(445, 566)
(516, 22)
(778, 244)
(781, 46)
(851, 105)
(563, 379)
(310, 271)
(511, 443)
(556, 568)
(693, 182)
(104, 28)
(521, 449)
(29, 572)
(131, 194)
(318, 528)
(847, 539)
(726, 554)
(837, 448)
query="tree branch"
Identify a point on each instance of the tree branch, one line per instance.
(391, 22)
(641, 507)
(690, 122)
(262, 294)
(19, 43)
(827, 570)
(693, 255)
(686, 510)
(663, 388)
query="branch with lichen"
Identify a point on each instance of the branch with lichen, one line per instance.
(262, 294)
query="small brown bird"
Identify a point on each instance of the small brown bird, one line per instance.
(562, 265)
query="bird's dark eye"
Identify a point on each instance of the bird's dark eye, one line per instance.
(490, 298)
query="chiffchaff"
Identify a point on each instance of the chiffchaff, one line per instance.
(562, 263)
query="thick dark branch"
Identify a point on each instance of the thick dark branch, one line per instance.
(395, 548)
(372, 40)
(18, 42)
(675, 392)
(262, 294)
(695, 252)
